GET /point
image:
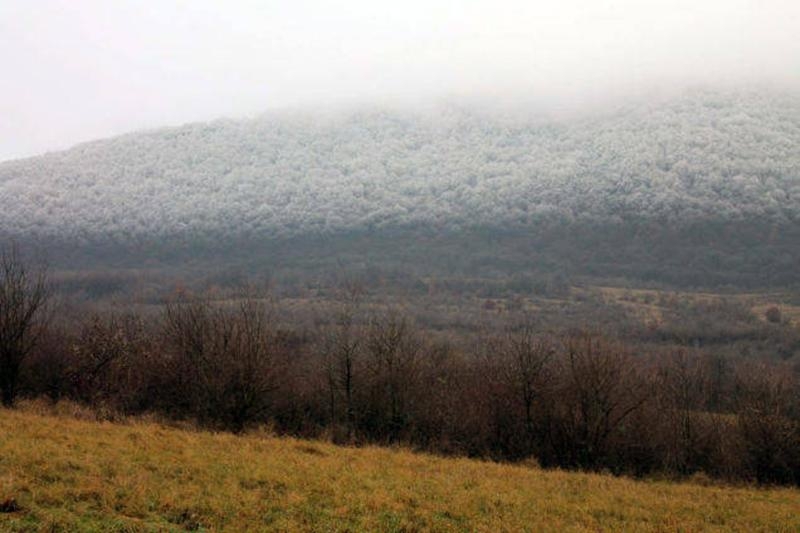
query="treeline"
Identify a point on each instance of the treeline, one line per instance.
(570, 400)
(751, 253)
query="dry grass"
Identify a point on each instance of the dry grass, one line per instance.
(68, 474)
(646, 303)
(788, 312)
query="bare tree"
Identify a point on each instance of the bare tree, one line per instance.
(227, 358)
(681, 396)
(771, 438)
(109, 357)
(601, 390)
(23, 298)
(342, 344)
(394, 350)
(524, 355)
(252, 365)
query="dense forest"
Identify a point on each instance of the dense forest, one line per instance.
(699, 189)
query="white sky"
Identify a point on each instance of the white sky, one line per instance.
(73, 70)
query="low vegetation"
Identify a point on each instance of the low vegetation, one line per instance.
(649, 402)
(664, 388)
(60, 473)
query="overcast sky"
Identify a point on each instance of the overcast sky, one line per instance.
(74, 70)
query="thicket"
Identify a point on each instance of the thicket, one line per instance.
(577, 400)
(516, 392)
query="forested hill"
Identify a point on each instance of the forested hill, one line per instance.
(722, 159)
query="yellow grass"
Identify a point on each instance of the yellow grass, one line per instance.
(788, 312)
(79, 475)
(635, 300)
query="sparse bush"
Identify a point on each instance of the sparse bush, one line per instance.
(773, 314)
(600, 387)
(394, 351)
(507, 391)
(227, 359)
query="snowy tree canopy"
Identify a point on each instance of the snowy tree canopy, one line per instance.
(705, 155)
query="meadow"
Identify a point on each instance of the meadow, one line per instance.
(63, 470)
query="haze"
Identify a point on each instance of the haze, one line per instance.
(77, 70)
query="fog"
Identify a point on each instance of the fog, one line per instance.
(78, 70)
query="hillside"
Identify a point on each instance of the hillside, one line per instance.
(72, 475)
(708, 182)
(725, 156)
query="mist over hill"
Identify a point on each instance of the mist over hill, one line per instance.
(711, 170)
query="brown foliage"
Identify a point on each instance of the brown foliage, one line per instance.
(580, 400)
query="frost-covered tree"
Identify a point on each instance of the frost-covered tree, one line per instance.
(719, 156)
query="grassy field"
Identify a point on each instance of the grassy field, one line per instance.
(648, 303)
(67, 474)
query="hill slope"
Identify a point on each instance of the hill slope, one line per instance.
(723, 156)
(717, 172)
(75, 475)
